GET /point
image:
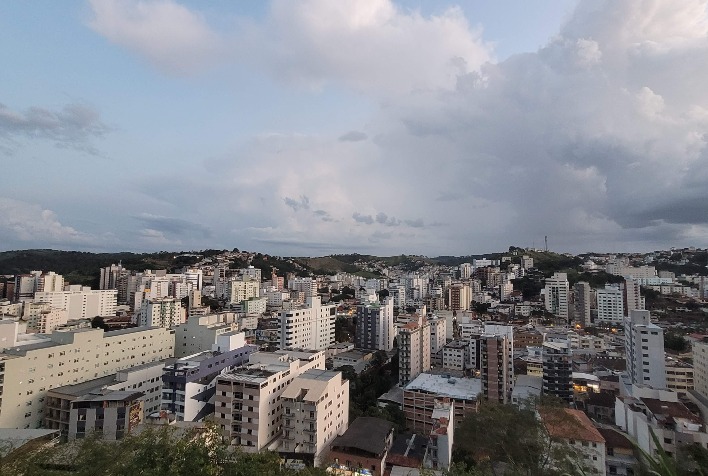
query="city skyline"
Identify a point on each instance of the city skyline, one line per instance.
(312, 128)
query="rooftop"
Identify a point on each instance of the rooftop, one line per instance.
(367, 434)
(445, 386)
(569, 424)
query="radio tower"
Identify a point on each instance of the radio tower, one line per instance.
(546, 240)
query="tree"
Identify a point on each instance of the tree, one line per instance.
(675, 342)
(98, 323)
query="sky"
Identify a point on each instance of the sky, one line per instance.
(373, 126)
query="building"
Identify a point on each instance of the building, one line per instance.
(438, 333)
(700, 366)
(364, 445)
(619, 453)
(679, 376)
(248, 404)
(146, 379)
(438, 453)
(189, 383)
(375, 329)
(527, 390)
(49, 282)
(308, 327)
(459, 297)
(70, 357)
(456, 355)
(110, 276)
(557, 370)
(644, 350)
(315, 412)
(574, 429)
(610, 305)
(81, 302)
(413, 349)
(497, 362)
(632, 296)
(25, 285)
(110, 414)
(420, 394)
(161, 312)
(199, 333)
(304, 285)
(42, 317)
(581, 303)
(556, 295)
(238, 290)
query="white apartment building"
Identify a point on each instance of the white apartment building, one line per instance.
(238, 290)
(82, 302)
(25, 285)
(700, 367)
(398, 293)
(556, 295)
(308, 327)
(200, 333)
(610, 305)
(456, 355)
(42, 317)
(275, 298)
(29, 371)
(304, 285)
(248, 404)
(375, 328)
(466, 270)
(49, 282)
(438, 333)
(161, 312)
(679, 376)
(316, 411)
(633, 296)
(644, 349)
(413, 349)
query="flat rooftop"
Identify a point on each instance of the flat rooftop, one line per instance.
(444, 386)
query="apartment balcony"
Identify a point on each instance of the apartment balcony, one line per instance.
(310, 430)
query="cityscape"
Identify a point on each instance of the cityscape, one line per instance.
(385, 368)
(354, 238)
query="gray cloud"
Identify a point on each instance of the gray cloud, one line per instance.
(71, 127)
(367, 219)
(302, 204)
(353, 136)
(161, 226)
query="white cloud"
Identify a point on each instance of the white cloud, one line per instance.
(24, 224)
(171, 36)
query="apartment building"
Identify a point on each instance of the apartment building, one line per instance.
(413, 349)
(315, 412)
(644, 350)
(248, 403)
(438, 332)
(575, 430)
(30, 368)
(199, 333)
(420, 394)
(238, 290)
(304, 285)
(146, 379)
(582, 303)
(189, 383)
(308, 327)
(558, 370)
(679, 376)
(700, 366)
(459, 297)
(161, 312)
(81, 302)
(375, 329)
(610, 305)
(42, 317)
(556, 296)
(497, 362)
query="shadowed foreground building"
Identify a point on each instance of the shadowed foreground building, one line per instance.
(364, 445)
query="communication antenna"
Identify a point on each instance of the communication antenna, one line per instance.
(546, 240)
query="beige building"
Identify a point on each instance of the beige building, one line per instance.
(574, 429)
(316, 411)
(42, 317)
(29, 369)
(248, 399)
(238, 290)
(413, 349)
(679, 376)
(459, 297)
(161, 312)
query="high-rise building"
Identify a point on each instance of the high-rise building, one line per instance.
(305, 285)
(556, 295)
(374, 326)
(632, 296)
(700, 366)
(161, 312)
(438, 332)
(413, 349)
(24, 287)
(557, 370)
(582, 304)
(110, 275)
(497, 362)
(308, 327)
(610, 305)
(459, 297)
(49, 282)
(644, 349)
(466, 270)
(238, 290)
(248, 404)
(315, 412)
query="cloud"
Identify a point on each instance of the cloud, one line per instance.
(71, 127)
(24, 224)
(174, 38)
(353, 136)
(302, 204)
(366, 219)
(160, 226)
